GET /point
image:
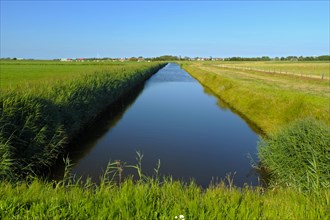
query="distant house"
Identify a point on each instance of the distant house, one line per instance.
(65, 59)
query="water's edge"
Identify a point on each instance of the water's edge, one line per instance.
(87, 143)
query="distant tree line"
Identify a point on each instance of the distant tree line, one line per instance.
(264, 58)
(15, 58)
(166, 58)
(290, 58)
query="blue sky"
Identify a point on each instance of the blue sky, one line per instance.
(56, 29)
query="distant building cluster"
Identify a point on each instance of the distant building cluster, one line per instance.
(205, 59)
(140, 59)
(71, 59)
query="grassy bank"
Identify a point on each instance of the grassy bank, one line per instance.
(293, 112)
(268, 100)
(155, 199)
(38, 117)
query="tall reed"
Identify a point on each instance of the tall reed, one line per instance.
(299, 155)
(37, 121)
(154, 198)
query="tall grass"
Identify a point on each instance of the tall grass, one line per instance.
(299, 155)
(155, 198)
(37, 121)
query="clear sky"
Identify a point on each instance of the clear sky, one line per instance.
(61, 29)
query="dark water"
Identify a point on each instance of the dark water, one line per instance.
(174, 119)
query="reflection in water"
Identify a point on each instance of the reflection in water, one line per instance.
(84, 143)
(176, 120)
(224, 106)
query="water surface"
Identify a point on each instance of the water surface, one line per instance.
(175, 119)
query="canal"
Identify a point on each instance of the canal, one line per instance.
(174, 119)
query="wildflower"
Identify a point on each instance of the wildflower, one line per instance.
(180, 217)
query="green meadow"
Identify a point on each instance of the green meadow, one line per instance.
(24, 73)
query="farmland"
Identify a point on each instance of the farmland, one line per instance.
(45, 103)
(313, 69)
(25, 73)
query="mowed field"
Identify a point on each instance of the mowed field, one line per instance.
(314, 69)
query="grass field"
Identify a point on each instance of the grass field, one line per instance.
(38, 117)
(14, 73)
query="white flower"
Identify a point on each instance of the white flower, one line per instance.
(180, 217)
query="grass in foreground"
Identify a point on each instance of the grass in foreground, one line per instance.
(154, 199)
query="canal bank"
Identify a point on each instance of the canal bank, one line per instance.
(177, 121)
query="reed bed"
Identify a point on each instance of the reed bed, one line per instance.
(298, 156)
(38, 119)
